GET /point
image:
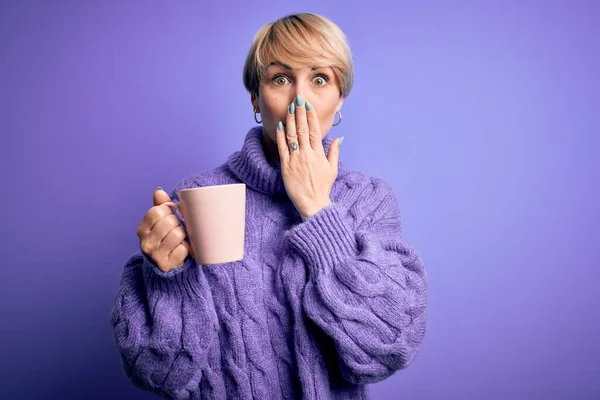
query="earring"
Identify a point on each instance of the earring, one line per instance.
(340, 121)
(257, 121)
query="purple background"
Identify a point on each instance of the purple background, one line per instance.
(484, 117)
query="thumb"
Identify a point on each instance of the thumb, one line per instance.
(160, 196)
(333, 155)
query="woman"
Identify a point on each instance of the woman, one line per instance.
(328, 296)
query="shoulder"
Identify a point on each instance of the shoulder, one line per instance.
(363, 184)
(211, 177)
(366, 196)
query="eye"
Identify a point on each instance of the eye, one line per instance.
(278, 80)
(321, 80)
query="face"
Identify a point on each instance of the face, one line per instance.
(282, 82)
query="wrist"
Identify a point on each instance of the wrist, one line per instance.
(306, 214)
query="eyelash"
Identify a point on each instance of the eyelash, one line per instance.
(325, 78)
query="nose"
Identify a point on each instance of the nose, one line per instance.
(301, 89)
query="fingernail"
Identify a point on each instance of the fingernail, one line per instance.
(299, 101)
(292, 108)
(158, 188)
(341, 140)
(280, 126)
(308, 106)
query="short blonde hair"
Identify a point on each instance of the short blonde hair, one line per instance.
(300, 37)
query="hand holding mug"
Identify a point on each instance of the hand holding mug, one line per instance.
(162, 238)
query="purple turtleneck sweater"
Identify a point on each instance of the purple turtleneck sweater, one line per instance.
(316, 309)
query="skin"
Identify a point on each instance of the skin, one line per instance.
(308, 173)
(279, 88)
(161, 234)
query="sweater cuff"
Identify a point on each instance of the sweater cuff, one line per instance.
(182, 281)
(324, 239)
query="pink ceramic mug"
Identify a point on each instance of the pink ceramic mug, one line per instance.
(215, 220)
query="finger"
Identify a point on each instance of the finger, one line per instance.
(162, 228)
(333, 155)
(282, 146)
(175, 237)
(160, 196)
(152, 217)
(302, 125)
(179, 253)
(314, 128)
(290, 129)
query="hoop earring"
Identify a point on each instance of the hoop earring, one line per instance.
(340, 121)
(257, 121)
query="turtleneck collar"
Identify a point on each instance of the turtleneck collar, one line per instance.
(251, 166)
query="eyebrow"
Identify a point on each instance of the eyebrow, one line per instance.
(287, 66)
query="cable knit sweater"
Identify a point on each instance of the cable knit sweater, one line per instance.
(316, 309)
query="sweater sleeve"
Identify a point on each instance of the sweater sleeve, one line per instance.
(366, 288)
(163, 325)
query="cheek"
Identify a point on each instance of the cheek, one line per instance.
(274, 106)
(327, 113)
(325, 121)
(326, 107)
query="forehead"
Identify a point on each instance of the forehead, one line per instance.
(287, 66)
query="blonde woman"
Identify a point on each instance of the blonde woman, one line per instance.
(328, 297)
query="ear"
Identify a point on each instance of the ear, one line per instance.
(254, 102)
(339, 103)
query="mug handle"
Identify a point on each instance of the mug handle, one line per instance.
(176, 206)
